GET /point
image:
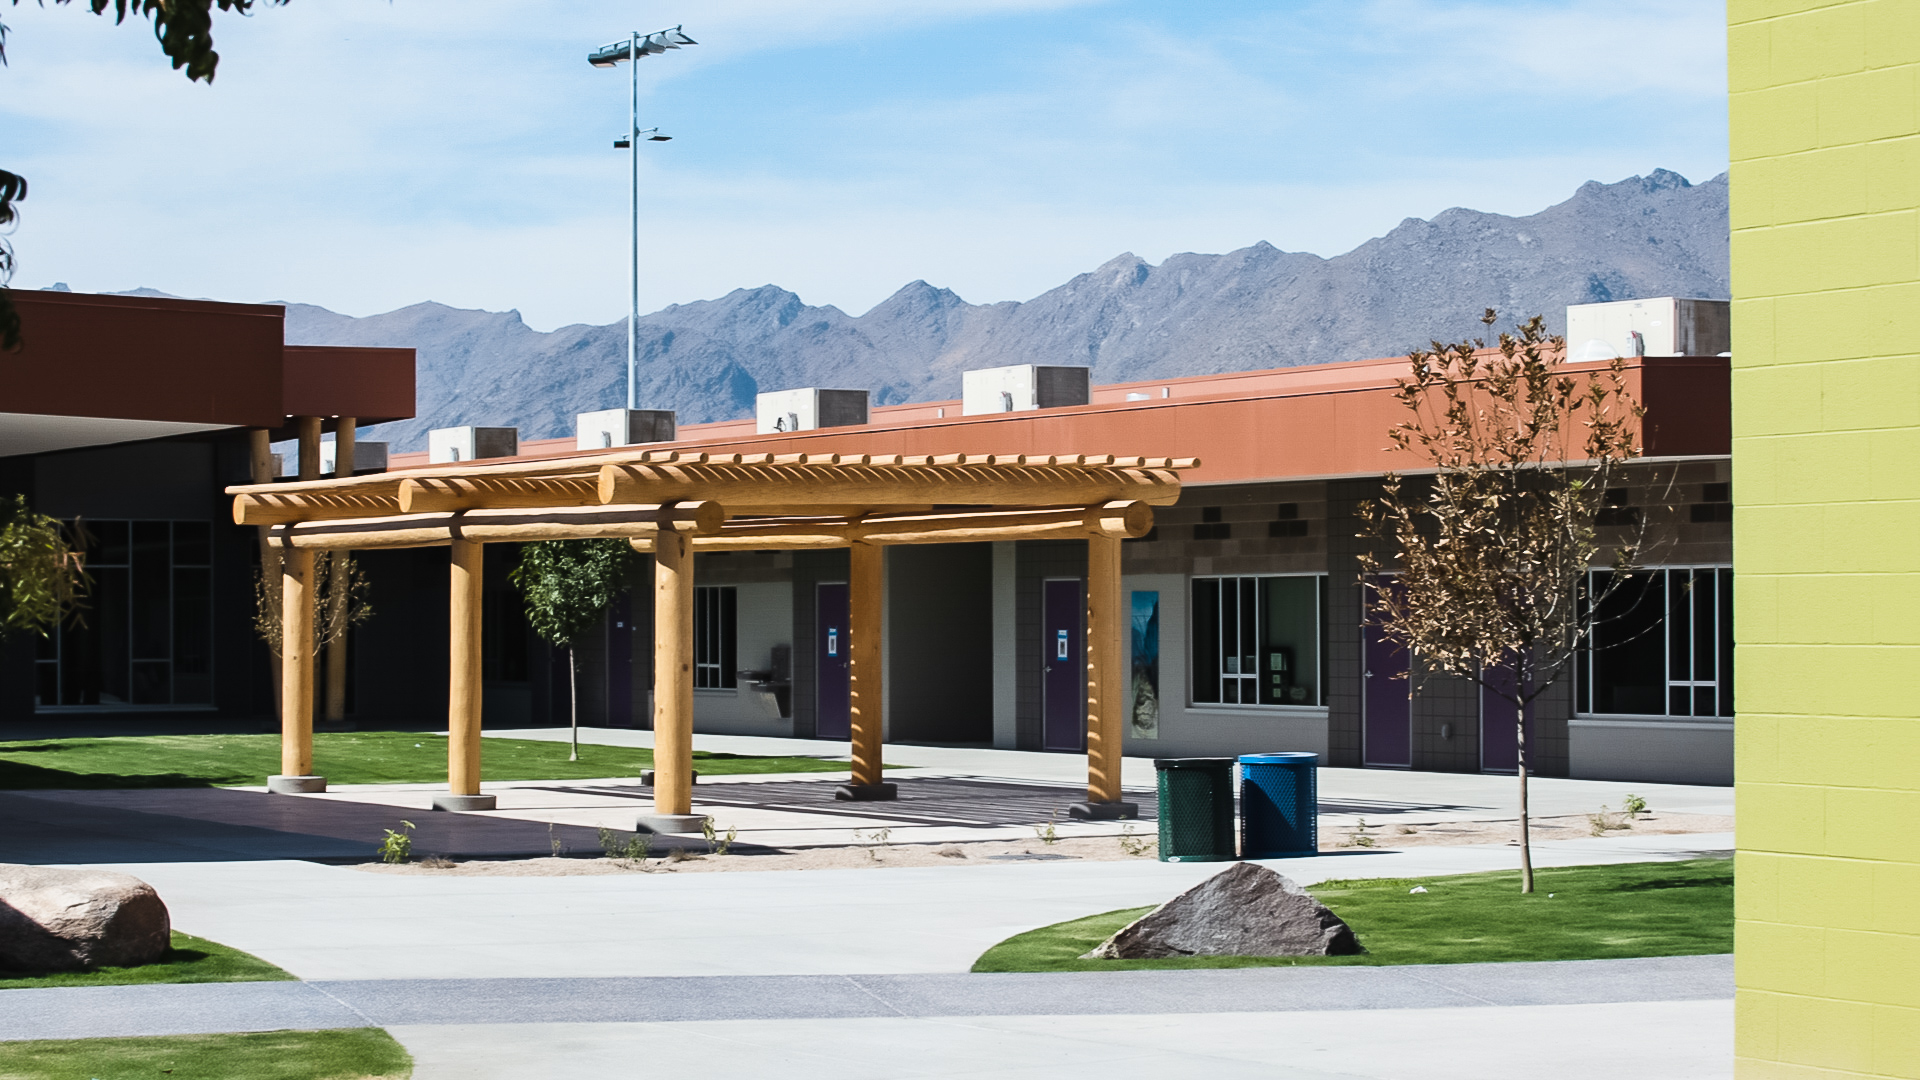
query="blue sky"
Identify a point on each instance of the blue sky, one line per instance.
(366, 154)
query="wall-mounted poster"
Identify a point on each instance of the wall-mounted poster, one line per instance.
(1146, 665)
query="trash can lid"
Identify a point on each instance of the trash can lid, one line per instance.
(1279, 759)
(1191, 762)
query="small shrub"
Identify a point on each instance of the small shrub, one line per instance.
(397, 848)
(872, 841)
(1136, 845)
(1047, 833)
(635, 848)
(1607, 821)
(1634, 805)
(717, 844)
(1361, 837)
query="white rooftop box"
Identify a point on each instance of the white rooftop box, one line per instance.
(448, 445)
(367, 457)
(809, 408)
(623, 427)
(1665, 326)
(1023, 387)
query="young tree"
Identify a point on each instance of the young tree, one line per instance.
(335, 611)
(1493, 550)
(568, 586)
(43, 578)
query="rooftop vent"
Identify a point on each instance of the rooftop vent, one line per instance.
(623, 427)
(1023, 387)
(448, 445)
(1664, 326)
(809, 408)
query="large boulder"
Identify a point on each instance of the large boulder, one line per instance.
(67, 920)
(1245, 910)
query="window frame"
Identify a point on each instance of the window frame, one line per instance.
(716, 637)
(1194, 668)
(1725, 708)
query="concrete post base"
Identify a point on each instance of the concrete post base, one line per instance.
(1104, 811)
(669, 823)
(866, 792)
(646, 777)
(463, 802)
(296, 785)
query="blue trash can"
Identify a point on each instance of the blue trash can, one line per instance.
(1279, 805)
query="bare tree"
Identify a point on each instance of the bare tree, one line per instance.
(1486, 573)
(335, 611)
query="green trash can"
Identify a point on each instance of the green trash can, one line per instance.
(1196, 809)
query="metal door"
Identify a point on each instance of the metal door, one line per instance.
(832, 716)
(1386, 702)
(1499, 733)
(1063, 666)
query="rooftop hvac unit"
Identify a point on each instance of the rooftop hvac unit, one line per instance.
(623, 427)
(1663, 326)
(1023, 387)
(448, 445)
(809, 408)
(367, 457)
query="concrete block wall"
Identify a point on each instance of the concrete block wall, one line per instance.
(1825, 140)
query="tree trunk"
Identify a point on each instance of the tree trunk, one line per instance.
(1522, 681)
(573, 700)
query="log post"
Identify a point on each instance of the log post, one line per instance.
(296, 678)
(1107, 630)
(306, 430)
(672, 685)
(463, 682)
(866, 694)
(339, 565)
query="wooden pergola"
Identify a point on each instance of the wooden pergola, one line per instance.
(672, 504)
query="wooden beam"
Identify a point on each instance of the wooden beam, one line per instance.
(275, 508)
(499, 526)
(866, 598)
(1123, 519)
(672, 674)
(463, 668)
(798, 488)
(306, 431)
(296, 663)
(1107, 628)
(472, 493)
(339, 573)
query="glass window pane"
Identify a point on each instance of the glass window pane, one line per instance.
(1680, 627)
(729, 636)
(1290, 666)
(1249, 633)
(1705, 618)
(192, 637)
(192, 543)
(151, 684)
(151, 591)
(1630, 648)
(109, 542)
(1206, 641)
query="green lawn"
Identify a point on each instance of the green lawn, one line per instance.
(1579, 913)
(189, 960)
(361, 757)
(341, 1054)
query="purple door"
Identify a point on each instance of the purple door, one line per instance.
(1385, 702)
(1499, 733)
(1063, 667)
(832, 716)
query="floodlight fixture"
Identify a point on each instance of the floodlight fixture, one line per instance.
(633, 47)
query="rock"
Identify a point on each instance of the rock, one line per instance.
(67, 920)
(1245, 910)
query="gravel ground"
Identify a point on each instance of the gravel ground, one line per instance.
(1140, 845)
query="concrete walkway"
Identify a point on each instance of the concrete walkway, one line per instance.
(72, 1013)
(330, 922)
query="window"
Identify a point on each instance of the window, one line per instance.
(1662, 645)
(1257, 640)
(714, 631)
(148, 638)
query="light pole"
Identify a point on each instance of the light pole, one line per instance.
(632, 48)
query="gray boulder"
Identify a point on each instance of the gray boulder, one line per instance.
(67, 920)
(1245, 910)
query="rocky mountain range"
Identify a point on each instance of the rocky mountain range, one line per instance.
(1258, 307)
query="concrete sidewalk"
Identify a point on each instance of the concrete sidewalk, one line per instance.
(329, 922)
(92, 1012)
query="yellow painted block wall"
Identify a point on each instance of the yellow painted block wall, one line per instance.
(1825, 114)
